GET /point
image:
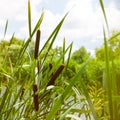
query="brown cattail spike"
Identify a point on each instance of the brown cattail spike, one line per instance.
(35, 97)
(22, 93)
(50, 66)
(55, 75)
(37, 44)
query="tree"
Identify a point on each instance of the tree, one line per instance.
(114, 44)
(113, 48)
(99, 52)
(80, 55)
(10, 50)
(95, 70)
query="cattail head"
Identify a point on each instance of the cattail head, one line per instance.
(37, 44)
(28, 1)
(22, 93)
(35, 97)
(55, 75)
(50, 66)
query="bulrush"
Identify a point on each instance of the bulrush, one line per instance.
(35, 97)
(22, 93)
(50, 66)
(37, 44)
(55, 75)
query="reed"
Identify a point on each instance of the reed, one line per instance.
(35, 97)
(110, 80)
(55, 75)
(37, 43)
(46, 94)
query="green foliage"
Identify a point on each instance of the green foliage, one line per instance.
(109, 81)
(80, 55)
(97, 95)
(113, 48)
(51, 83)
(96, 73)
(30, 96)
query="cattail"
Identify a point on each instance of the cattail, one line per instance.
(35, 97)
(37, 44)
(55, 75)
(22, 93)
(50, 66)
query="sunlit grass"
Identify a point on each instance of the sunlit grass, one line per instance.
(43, 93)
(110, 80)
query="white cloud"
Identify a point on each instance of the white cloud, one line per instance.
(113, 15)
(16, 8)
(83, 24)
(49, 22)
(11, 8)
(16, 13)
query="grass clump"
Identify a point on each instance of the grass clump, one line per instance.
(39, 84)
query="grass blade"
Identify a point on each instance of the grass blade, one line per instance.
(56, 30)
(64, 50)
(69, 55)
(23, 49)
(37, 26)
(69, 88)
(108, 79)
(6, 26)
(55, 108)
(114, 87)
(29, 18)
(3, 100)
(73, 80)
(62, 117)
(53, 37)
(103, 10)
(114, 36)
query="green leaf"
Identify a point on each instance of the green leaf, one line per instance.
(108, 78)
(103, 10)
(4, 97)
(6, 26)
(55, 108)
(83, 87)
(29, 18)
(23, 49)
(62, 117)
(53, 37)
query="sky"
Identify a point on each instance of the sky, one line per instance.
(83, 26)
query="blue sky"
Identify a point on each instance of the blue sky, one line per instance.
(83, 25)
(56, 6)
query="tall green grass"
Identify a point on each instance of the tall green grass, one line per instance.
(110, 79)
(39, 95)
(44, 94)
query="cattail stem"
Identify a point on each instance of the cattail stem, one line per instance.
(55, 75)
(35, 97)
(38, 66)
(37, 44)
